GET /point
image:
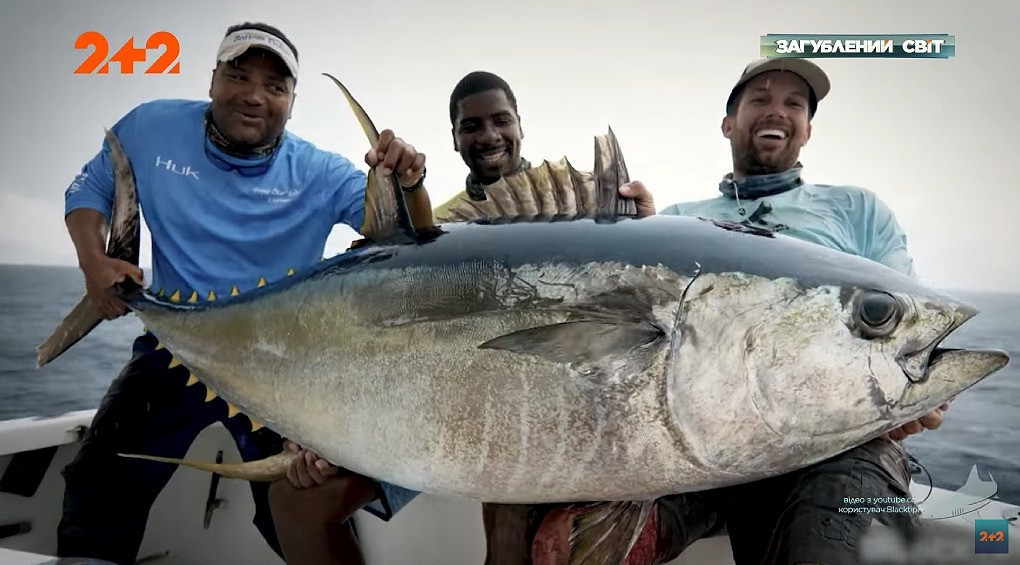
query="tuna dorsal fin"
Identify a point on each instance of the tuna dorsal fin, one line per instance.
(386, 213)
(611, 174)
(123, 243)
(555, 190)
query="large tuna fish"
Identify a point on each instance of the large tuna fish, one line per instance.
(546, 348)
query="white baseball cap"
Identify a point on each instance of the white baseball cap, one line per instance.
(236, 43)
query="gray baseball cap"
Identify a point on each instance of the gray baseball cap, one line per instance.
(812, 74)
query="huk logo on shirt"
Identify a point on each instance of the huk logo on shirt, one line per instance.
(76, 185)
(183, 170)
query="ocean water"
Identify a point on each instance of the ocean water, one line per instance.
(982, 427)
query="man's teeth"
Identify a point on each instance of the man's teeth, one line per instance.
(772, 134)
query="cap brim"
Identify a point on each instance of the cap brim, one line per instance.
(238, 49)
(236, 44)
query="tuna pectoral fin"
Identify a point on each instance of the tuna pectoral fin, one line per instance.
(577, 342)
(123, 244)
(268, 469)
(76, 325)
(386, 212)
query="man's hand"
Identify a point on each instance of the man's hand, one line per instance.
(395, 154)
(642, 198)
(101, 273)
(308, 469)
(932, 420)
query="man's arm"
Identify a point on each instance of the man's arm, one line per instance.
(86, 226)
(642, 197)
(887, 242)
(390, 154)
(87, 205)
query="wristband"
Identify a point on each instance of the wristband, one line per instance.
(416, 185)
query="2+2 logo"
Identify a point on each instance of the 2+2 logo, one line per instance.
(128, 54)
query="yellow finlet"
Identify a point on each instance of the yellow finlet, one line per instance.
(176, 296)
(255, 426)
(262, 282)
(290, 271)
(194, 297)
(160, 293)
(231, 410)
(211, 296)
(234, 291)
(159, 345)
(192, 379)
(173, 363)
(209, 395)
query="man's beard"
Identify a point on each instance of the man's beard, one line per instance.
(753, 161)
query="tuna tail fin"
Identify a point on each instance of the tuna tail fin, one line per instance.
(555, 190)
(123, 243)
(602, 533)
(386, 211)
(607, 533)
(261, 470)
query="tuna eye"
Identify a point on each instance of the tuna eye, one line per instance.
(877, 309)
(878, 314)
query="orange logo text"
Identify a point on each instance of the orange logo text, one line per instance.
(128, 55)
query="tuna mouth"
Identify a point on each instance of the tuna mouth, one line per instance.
(917, 365)
(950, 371)
(937, 374)
(937, 352)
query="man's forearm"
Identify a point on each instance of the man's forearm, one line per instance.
(86, 228)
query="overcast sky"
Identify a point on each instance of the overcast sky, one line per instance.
(934, 138)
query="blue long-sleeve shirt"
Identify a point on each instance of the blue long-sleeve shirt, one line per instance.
(848, 218)
(213, 228)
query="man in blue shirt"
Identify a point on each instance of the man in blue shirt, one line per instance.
(795, 518)
(232, 201)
